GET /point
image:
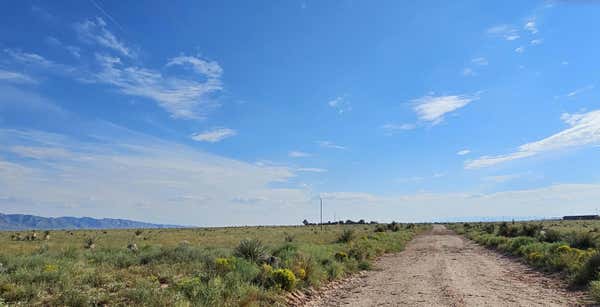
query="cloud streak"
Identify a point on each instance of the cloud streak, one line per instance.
(584, 130)
(52, 174)
(331, 145)
(214, 135)
(95, 31)
(433, 108)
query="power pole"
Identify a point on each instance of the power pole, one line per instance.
(321, 199)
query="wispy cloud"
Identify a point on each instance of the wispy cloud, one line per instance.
(15, 77)
(349, 197)
(433, 108)
(37, 61)
(507, 32)
(328, 144)
(40, 152)
(580, 90)
(391, 129)
(121, 173)
(481, 61)
(584, 130)
(95, 31)
(502, 178)
(183, 98)
(531, 27)
(214, 135)
(210, 69)
(73, 50)
(298, 154)
(520, 49)
(536, 42)
(468, 72)
(340, 104)
(311, 169)
(463, 152)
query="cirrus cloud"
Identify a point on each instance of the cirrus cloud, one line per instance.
(433, 108)
(214, 135)
(584, 130)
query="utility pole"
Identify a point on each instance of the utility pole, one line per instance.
(321, 199)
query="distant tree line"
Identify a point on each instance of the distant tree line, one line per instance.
(341, 222)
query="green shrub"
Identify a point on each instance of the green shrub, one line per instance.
(393, 226)
(515, 244)
(284, 278)
(530, 230)
(588, 272)
(346, 236)
(489, 228)
(550, 235)
(223, 265)
(594, 290)
(582, 240)
(341, 256)
(252, 250)
(364, 265)
(380, 228)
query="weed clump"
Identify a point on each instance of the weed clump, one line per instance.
(582, 240)
(284, 278)
(251, 250)
(346, 236)
(341, 256)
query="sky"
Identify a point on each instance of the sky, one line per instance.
(246, 113)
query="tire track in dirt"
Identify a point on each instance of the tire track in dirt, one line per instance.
(440, 268)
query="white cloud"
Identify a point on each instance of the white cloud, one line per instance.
(535, 42)
(15, 77)
(502, 178)
(311, 170)
(531, 27)
(520, 49)
(434, 108)
(214, 135)
(28, 101)
(481, 61)
(340, 104)
(40, 152)
(584, 130)
(328, 144)
(580, 90)
(73, 50)
(540, 202)
(463, 152)
(183, 98)
(114, 176)
(186, 97)
(94, 31)
(349, 196)
(36, 60)
(210, 69)
(507, 32)
(298, 154)
(468, 72)
(390, 129)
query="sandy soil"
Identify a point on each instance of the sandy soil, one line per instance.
(440, 268)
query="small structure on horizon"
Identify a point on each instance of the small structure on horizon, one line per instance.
(581, 217)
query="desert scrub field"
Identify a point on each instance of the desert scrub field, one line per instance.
(568, 247)
(185, 267)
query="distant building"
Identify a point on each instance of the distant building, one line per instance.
(581, 217)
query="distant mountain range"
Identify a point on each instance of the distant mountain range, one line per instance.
(24, 222)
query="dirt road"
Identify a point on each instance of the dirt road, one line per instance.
(443, 269)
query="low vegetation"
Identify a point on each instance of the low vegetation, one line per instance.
(186, 267)
(570, 248)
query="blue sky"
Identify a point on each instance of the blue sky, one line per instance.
(231, 113)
